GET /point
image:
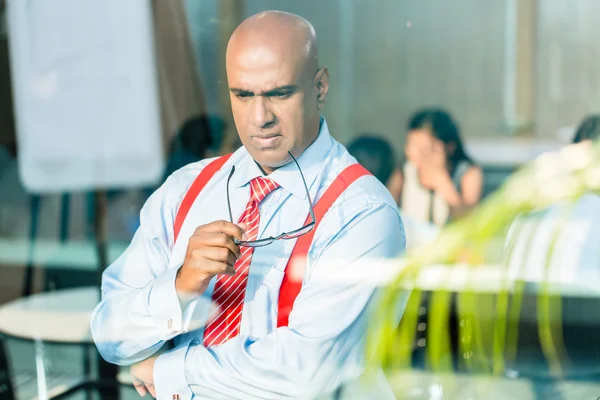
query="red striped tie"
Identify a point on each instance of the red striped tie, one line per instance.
(229, 291)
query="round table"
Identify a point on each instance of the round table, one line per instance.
(60, 317)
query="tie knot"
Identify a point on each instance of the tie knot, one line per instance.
(260, 187)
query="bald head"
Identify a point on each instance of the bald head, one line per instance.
(276, 87)
(286, 34)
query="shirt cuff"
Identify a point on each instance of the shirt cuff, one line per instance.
(165, 307)
(169, 375)
(186, 299)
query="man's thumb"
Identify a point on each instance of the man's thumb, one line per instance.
(243, 227)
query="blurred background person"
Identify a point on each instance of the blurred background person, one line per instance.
(439, 180)
(376, 154)
(191, 144)
(588, 130)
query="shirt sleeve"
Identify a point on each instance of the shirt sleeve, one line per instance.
(140, 310)
(322, 346)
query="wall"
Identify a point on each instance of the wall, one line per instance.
(428, 52)
(568, 66)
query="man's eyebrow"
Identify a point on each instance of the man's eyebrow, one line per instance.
(286, 89)
(280, 90)
(240, 91)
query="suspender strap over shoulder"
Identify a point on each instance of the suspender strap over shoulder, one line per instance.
(294, 271)
(194, 190)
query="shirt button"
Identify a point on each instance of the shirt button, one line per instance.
(170, 324)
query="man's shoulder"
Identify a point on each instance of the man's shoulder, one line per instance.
(365, 201)
(185, 176)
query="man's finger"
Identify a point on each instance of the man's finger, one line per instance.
(243, 227)
(151, 389)
(220, 239)
(216, 267)
(140, 388)
(220, 254)
(225, 227)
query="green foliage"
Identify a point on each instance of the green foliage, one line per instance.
(488, 322)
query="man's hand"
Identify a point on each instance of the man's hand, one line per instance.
(142, 375)
(211, 251)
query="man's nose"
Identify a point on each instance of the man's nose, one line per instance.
(263, 116)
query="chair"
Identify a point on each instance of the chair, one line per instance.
(24, 385)
(6, 384)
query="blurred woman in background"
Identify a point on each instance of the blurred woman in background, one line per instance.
(439, 180)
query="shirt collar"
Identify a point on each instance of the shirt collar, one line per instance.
(288, 176)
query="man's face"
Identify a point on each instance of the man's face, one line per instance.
(274, 103)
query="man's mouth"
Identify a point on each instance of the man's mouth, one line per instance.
(266, 136)
(267, 140)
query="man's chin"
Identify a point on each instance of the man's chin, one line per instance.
(272, 158)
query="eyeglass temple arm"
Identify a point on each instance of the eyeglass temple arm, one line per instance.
(312, 212)
(228, 203)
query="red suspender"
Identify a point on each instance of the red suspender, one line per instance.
(291, 284)
(194, 190)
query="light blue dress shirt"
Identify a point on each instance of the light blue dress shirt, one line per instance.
(323, 343)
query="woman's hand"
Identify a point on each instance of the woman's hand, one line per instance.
(432, 168)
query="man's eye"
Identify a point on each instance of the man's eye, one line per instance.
(283, 95)
(244, 95)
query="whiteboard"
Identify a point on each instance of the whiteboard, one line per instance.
(86, 94)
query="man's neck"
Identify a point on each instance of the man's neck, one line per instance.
(264, 170)
(268, 170)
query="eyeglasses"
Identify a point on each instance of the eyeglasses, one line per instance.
(286, 235)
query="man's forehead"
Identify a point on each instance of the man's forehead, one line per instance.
(268, 60)
(259, 86)
(262, 79)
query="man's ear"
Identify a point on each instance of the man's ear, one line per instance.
(322, 83)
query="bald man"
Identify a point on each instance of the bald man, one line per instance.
(246, 278)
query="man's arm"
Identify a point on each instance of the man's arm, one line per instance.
(140, 309)
(323, 344)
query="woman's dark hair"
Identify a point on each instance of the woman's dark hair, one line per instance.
(589, 129)
(375, 154)
(443, 127)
